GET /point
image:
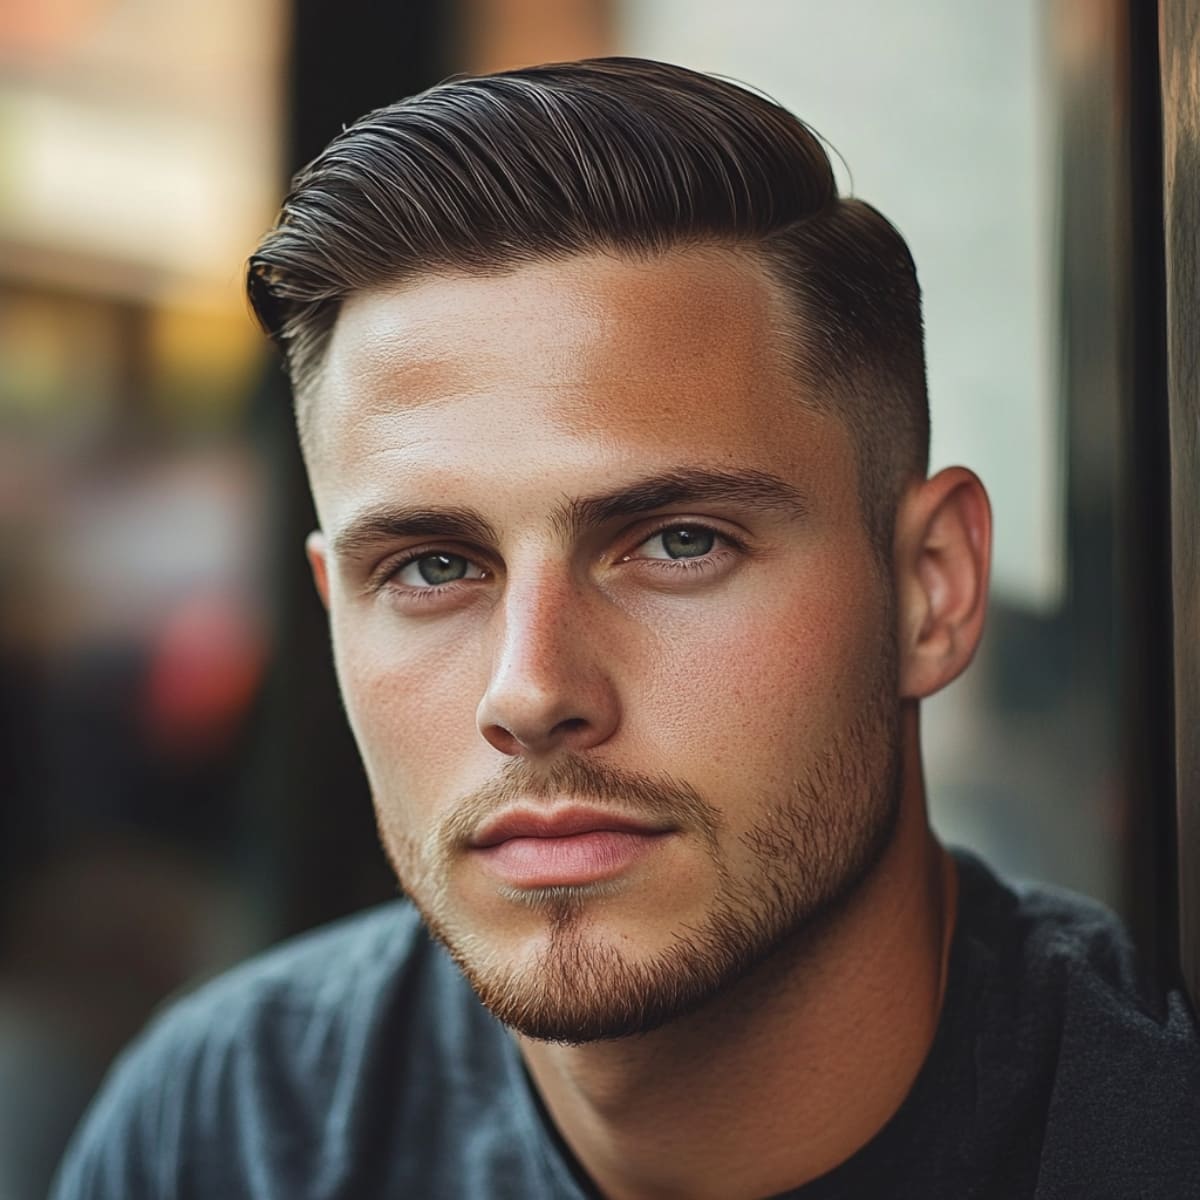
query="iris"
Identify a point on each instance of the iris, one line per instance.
(437, 569)
(687, 541)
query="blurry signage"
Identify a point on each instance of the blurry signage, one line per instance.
(138, 141)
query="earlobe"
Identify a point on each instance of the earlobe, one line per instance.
(315, 549)
(943, 557)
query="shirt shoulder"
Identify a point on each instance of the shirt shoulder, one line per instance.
(1070, 1027)
(273, 1078)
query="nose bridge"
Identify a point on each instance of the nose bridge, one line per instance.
(535, 645)
(548, 685)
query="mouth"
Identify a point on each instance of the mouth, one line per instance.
(567, 847)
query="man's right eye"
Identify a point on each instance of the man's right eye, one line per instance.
(436, 570)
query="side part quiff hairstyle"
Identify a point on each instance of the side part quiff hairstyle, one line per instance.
(621, 155)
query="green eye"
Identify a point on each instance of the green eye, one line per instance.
(688, 541)
(434, 570)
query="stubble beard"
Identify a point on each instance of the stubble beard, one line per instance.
(812, 850)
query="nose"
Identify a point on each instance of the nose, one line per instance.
(549, 688)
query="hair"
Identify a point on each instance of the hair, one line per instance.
(486, 174)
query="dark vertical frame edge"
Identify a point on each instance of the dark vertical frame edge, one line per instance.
(1179, 47)
(1144, 582)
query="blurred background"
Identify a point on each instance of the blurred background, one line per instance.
(177, 784)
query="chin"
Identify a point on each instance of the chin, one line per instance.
(575, 981)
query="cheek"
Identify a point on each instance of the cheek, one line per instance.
(410, 702)
(758, 686)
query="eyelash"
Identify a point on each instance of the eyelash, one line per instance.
(385, 576)
(705, 562)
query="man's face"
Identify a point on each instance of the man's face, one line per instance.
(608, 626)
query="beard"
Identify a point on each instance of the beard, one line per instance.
(810, 851)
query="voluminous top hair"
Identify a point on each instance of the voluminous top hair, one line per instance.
(627, 156)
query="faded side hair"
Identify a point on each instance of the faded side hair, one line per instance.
(484, 174)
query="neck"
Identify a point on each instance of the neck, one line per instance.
(786, 1075)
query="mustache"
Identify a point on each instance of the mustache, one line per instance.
(660, 799)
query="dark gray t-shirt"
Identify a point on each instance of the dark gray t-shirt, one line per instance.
(354, 1063)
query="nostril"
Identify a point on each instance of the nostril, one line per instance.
(570, 725)
(502, 739)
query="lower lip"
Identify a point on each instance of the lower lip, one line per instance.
(581, 858)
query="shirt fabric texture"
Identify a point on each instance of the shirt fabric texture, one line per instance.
(355, 1063)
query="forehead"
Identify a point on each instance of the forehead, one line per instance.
(594, 364)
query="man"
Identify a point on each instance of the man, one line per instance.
(614, 413)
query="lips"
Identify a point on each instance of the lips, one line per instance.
(571, 847)
(561, 824)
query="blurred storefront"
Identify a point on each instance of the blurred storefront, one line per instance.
(140, 157)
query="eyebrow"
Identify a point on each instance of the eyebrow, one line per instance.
(755, 490)
(388, 522)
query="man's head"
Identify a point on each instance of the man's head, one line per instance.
(614, 417)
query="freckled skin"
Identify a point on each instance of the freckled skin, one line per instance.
(507, 394)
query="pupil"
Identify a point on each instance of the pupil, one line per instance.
(441, 568)
(688, 543)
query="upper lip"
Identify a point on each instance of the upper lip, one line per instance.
(564, 822)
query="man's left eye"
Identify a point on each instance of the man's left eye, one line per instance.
(681, 541)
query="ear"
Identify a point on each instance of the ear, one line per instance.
(315, 548)
(942, 555)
